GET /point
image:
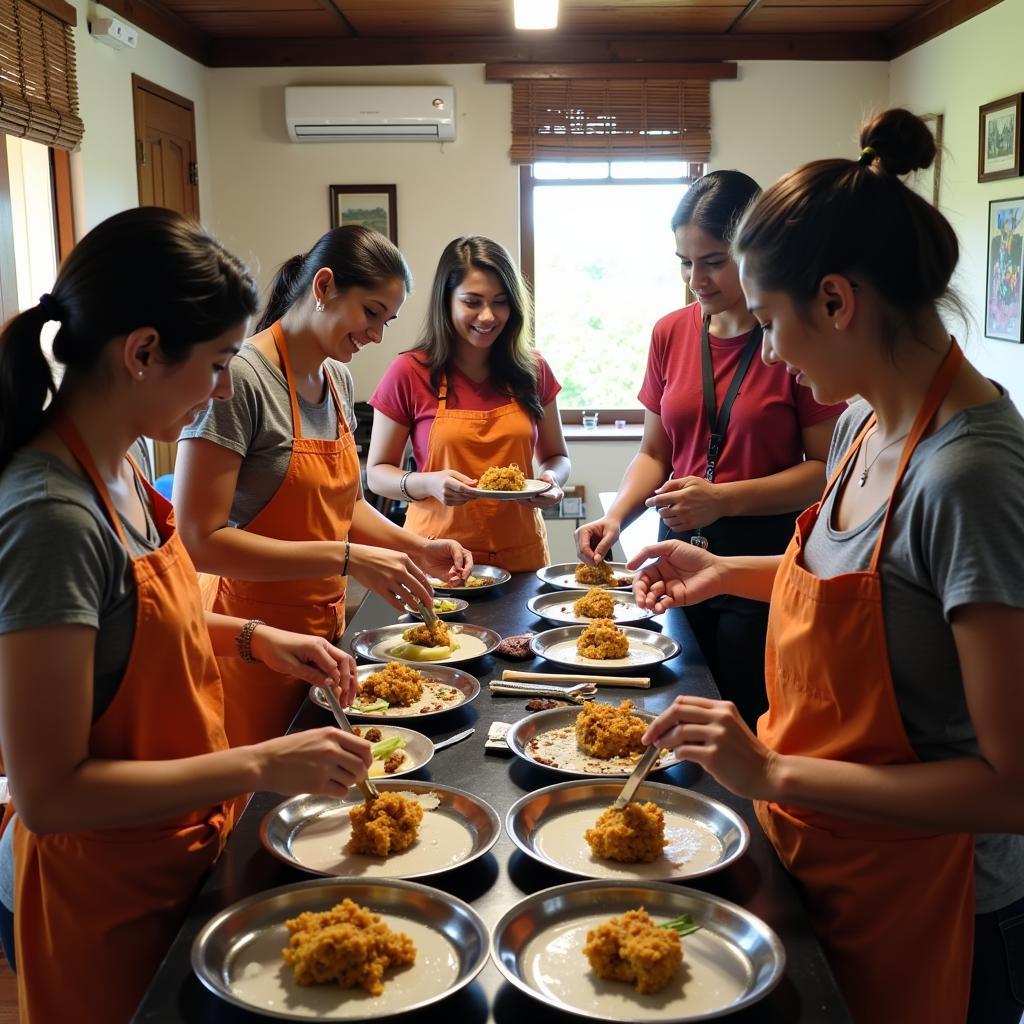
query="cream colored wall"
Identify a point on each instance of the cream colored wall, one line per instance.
(103, 170)
(954, 75)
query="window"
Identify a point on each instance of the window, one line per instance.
(598, 250)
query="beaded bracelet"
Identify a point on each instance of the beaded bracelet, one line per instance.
(348, 551)
(244, 641)
(405, 490)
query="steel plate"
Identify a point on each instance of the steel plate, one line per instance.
(557, 607)
(467, 685)
(237, 955)
(309, 832)
(646, 649)
(494, 573)
(460, 606)
(375, 644)
(704, 835)
(734, 960)
(563, 576)
(519, 735)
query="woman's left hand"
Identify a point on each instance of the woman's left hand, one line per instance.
(309, 658)
(550, 497)
(445, 560)
(712, 734)
(687, 503)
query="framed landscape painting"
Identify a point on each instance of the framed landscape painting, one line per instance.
(1005, 286)
(373, 206)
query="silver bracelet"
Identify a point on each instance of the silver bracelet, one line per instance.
(244, 641)
(405, 490)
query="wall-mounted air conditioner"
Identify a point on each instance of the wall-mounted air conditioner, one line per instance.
(370, 113)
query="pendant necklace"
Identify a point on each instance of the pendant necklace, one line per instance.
(863, 479)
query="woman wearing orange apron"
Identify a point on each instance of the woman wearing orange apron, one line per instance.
(119, 766)
(472, 395)
(887, 770)
(267, 485)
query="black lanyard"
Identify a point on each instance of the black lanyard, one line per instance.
(718, 419)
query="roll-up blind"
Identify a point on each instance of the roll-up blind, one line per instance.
(610, 119)
(38, 86)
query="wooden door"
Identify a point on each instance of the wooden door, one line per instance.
(165, 158)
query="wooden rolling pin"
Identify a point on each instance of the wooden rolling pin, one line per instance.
(636, 682)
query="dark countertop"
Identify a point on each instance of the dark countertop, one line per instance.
(807, 993)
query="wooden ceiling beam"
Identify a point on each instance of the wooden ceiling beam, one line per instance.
(691, 72)
(933, 21)
(634, 50)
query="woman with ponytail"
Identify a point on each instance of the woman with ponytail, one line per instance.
(267, 485)
(888, 771)
(472, 394)
(111, 706)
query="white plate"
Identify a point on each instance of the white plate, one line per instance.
(703, 835)
(379, 644)
(646, 649)
(530, 489)
(563, 576)
(734, 960)
(311, 832)
(558, 608)
(237, 955)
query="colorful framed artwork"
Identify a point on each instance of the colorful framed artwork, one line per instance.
(1005, 282)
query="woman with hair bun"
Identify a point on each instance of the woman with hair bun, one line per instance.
(267, 486)
(471, 395)
(735, 488)
(111, 706)
(888, 771)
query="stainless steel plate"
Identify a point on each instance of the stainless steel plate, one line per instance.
(460, 607)
(734, 960)
(646, 649)
(494, 573)
(557, 607)
(519, 735)
(311, 832)
(418, 750)
(703, 835)
(237, 955)
(563, 576)
(530, 489)
(376, 644)
(441, 676)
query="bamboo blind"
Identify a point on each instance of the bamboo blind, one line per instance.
(610, 119)
(38, 86)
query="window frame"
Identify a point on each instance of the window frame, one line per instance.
(527, 242)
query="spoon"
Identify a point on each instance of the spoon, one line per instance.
(643, 766)
(370, 791)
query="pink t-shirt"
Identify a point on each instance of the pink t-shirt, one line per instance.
(770, 411)
(404, 395)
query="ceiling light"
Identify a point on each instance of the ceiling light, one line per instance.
(536, 13)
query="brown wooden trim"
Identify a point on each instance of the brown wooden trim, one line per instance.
(63, 202)
(8, 269)
(368, 52)
(745, 13)
(59, 9)
(526, 223)
(647, 70)
(139, 82)
(334, 9)
(165, 25)
(933, 21)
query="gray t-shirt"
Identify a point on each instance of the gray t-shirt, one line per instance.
(62, 563)
(956, 538)
(256, 423)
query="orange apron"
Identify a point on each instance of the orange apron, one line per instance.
(315, 501)
(505, 533)
(97, 910)
(894, 908)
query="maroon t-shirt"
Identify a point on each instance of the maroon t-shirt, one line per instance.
(770, 411)
(404, 395)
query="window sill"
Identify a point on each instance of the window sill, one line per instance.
(630, 432)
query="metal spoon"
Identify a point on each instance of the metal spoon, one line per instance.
(578, 694)
(643, 766)
(370, 791)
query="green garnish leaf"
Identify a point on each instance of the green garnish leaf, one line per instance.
(684, 924)
(377, 705)
(387, 747)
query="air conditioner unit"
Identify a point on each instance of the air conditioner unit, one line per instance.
(372, 113)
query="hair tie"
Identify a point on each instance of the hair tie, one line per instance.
(51, 307)
(867, 156)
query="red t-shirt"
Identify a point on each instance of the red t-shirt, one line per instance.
(404, 395)
(770, 411)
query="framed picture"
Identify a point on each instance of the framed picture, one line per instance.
(999, 139)
(1004, 286)
(927, 183)
(374, 206)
